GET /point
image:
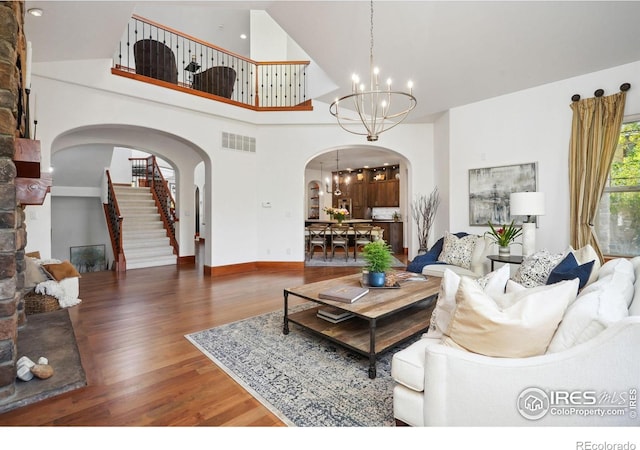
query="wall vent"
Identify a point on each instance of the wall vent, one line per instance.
(232, 141)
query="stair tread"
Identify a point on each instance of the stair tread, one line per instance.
(144, 238)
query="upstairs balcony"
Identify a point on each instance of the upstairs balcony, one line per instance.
(153, 53)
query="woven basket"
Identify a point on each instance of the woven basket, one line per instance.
(39, 303)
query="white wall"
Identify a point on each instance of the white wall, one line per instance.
(120, 167)
(528, 126)
(442, 168)
(531, 125)
(186, 130)
(81, 220)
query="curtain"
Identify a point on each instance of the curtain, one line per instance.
(594, 136)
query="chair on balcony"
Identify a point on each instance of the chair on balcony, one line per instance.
(340, 238)
(218, 80)
(156, 60)
(362, 235)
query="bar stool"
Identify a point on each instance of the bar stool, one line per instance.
(362, 236)
(317, 238)
(340, 238)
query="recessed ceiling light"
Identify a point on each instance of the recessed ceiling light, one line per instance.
(243, 36)
(35, 12)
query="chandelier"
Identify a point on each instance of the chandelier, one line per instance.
(378, 109)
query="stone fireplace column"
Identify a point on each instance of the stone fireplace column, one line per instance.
(12, 230)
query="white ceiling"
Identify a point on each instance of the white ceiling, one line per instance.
(455, 52)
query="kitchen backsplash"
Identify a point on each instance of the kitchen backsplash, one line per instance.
(383, 213)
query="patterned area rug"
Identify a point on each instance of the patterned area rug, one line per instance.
(303, 379)
(338, 261)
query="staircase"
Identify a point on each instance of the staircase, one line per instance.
(144, 239)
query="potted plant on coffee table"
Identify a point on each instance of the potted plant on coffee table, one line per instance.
(378, 256)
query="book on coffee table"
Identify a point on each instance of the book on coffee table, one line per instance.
(334, 315)
(345, 294)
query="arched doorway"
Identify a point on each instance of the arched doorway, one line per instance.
(372, 183)
(92, 150)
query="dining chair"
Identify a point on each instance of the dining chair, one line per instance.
(317, 238)
(362, 235)
(340, 238)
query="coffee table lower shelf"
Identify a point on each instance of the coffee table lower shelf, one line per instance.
(368, 337)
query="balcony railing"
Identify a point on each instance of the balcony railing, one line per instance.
(154, 53)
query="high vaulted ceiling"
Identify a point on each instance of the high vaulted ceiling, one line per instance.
(455, 52)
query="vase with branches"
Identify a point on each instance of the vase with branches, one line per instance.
(423, 210)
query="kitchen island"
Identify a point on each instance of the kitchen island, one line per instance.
(335, 222)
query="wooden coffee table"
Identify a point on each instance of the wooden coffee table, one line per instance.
(383, 318)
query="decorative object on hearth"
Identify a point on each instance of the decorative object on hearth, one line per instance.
(527, 204)
(35, 303)
(49, 334)
(504, 236)
(424, 210)
(377, 109)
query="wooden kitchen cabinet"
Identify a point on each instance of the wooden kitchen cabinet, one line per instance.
(359, 199)
(383, 193)
(393, 235)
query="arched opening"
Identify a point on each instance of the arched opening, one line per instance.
(80, 157)
(371, 182)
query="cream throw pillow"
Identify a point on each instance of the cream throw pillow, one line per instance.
(458, 251)
(33, 273)
(522, 326)
(446, 303)
(493, 284)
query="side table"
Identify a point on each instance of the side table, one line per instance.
(511, 259)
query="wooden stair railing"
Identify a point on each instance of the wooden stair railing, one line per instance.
(164, 200)
(114, 223)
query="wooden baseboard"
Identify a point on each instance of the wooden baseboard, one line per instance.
(183, 260)
(252, 267)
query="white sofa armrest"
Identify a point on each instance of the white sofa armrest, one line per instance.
(468, 389)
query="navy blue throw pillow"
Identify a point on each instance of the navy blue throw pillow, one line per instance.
(431, 257)
(568, 269)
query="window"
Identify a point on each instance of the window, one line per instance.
(618, 224)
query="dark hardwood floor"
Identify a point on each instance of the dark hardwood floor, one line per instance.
(141, 370)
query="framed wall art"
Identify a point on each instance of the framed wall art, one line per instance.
(88, 258)
(489, 190)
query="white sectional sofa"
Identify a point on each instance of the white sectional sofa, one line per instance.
(588, 375)
(464, 254)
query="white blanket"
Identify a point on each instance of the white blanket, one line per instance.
(65, 291)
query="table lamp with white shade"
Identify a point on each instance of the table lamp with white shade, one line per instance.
(527, 204)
